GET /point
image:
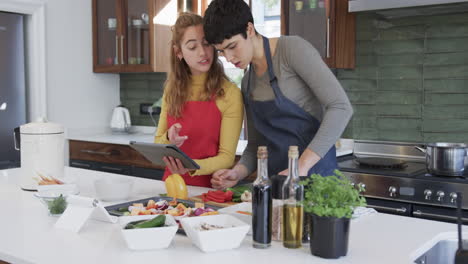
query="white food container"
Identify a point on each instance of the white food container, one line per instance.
(233, 210)
(42, 152)
(113, 189)
(148, 238)
(229, 237)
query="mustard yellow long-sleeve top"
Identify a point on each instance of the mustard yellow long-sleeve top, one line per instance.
(232, 112)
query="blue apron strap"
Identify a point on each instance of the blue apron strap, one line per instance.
(271, 73)
(247, 90)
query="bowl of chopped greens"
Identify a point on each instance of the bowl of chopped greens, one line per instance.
(55, 201)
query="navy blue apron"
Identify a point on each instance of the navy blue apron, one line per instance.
(282, 124)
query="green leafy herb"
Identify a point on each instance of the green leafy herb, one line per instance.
(332, 196)
(58, 205)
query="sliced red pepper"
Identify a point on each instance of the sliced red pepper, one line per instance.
(211, 196)
(215, 198)
(228, 196)
(216, 194)
(204, 198)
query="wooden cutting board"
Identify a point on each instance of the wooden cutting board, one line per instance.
(199, 199)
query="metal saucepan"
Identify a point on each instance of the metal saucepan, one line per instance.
(446, 159)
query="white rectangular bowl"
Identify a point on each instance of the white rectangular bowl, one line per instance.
(148, 238)
(232, 210)
(229, 237)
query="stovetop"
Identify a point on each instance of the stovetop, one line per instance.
(409, 183)
(411, 169)
(348, 163)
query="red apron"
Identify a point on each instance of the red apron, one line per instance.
(201, 122)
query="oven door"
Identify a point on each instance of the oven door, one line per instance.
(438, 213)
(389, 207)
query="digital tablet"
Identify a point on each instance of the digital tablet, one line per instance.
(155, 153)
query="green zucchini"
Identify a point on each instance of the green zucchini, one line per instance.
(158, 221)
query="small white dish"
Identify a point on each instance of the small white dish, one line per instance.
(229, 237)
(110, 189)
(234, 211)
(148, 238)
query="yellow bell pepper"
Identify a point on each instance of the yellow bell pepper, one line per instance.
(175, 187)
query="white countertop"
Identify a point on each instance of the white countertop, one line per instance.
(146, 134)
(27, 234)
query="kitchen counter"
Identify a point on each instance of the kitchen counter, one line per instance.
(146, 134)
(28, 235)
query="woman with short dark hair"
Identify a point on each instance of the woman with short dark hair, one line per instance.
(290, 95)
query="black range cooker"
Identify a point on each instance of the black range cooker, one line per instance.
(396, 181)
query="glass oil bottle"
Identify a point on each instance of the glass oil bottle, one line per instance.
(293, 193)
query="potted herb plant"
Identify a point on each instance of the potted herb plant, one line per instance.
(329, 203)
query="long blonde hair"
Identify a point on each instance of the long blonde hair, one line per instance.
(177, 85)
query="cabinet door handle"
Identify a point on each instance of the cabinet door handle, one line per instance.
(96, 152)
(117, 48)
(328, 37)
(122, 49)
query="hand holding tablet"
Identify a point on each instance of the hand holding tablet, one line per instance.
(156, 152)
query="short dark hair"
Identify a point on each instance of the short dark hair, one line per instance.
(226, 18)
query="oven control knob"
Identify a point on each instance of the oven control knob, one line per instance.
(362, 186)
(392, 191)
(427, 194)
(453, 197)
(440, 196)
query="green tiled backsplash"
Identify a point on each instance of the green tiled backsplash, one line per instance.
(137, 88)
(411, 79)
(410, 82)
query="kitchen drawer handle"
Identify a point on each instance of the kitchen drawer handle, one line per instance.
(401, 210)
(96, 152)
(444, 217)
(111, 168)
(82, 165)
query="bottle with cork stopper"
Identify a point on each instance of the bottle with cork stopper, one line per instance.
(261, 202)
(293, 193)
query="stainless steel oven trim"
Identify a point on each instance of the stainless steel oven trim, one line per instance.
(374, 180)
(401, 210)
(419, 213)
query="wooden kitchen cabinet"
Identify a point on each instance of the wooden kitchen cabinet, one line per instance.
(326, 24)
(114, 158)
(132, 35)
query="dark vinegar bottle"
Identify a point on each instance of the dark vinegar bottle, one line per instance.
(261, 202)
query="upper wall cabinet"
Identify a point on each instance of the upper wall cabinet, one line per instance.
(326, 24)
(132, 35)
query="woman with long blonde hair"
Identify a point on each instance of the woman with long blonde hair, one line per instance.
(201, 109)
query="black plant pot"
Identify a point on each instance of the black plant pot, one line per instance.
(328, 236)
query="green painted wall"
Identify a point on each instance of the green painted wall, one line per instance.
(137, 88)
(411, 79)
